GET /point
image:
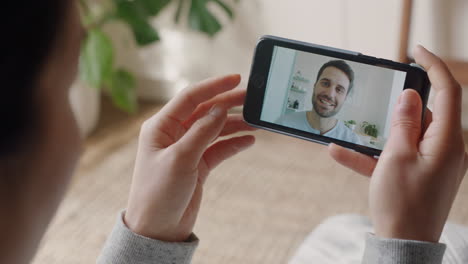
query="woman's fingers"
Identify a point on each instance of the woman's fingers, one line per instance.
(182, 106)
(447, 102)
(193, 144)
(405, 130)
(235, 123)
(225, 149)
(353, 160)
(444, 134)
(427, 119)
(228, 99)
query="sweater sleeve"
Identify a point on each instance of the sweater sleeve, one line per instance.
(398, 251)
(124, 246)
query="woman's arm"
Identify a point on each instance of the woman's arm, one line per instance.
(124, 246)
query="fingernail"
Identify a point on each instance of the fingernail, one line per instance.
(423, 49)
(406, 99)
(216, 111)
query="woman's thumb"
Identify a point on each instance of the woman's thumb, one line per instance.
(405, 131)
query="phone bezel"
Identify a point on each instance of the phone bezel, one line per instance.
(416, 79)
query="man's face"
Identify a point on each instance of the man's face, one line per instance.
(330, 92)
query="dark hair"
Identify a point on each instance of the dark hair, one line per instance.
(341, 65)
(29, 30)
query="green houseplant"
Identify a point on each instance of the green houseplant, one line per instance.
(370, 129)
(351, 124)
(97, 67)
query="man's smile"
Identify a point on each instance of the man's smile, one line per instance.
(325, 101)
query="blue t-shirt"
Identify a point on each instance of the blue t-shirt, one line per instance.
(298, 120)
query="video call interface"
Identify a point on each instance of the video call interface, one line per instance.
(328, 96)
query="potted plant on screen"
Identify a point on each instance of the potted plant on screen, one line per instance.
(351, 124)
(370, 129)
(97, 67)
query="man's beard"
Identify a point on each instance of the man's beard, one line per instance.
(325, 113)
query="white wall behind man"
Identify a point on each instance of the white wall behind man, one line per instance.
(278, 84)
(370, 97)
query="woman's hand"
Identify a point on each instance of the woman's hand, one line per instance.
(416, 179)
(176, 154)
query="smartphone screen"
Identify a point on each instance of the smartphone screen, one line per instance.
(323, 94)
(331, 97)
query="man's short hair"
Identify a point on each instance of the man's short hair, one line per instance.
(342, 66)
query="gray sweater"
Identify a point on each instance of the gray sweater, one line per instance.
(125, 247)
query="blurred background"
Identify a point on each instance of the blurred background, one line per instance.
(258, 207)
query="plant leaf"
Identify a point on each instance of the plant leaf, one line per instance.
(135, 15)
(153, 7)
(96, 58)
(122, 90)
(201, 19)
(180, 7)
(225, 7)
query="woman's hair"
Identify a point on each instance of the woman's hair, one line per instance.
(29, 31)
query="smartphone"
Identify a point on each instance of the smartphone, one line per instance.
(324, 94)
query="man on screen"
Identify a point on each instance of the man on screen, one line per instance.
(334, 82)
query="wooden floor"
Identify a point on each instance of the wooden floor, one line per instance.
(257, 207)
